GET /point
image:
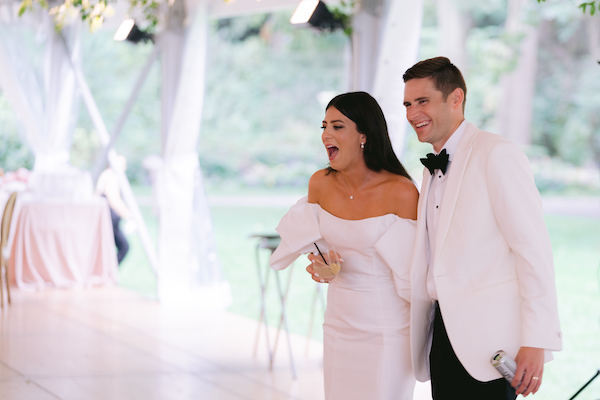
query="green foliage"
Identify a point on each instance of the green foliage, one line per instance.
(342, 13)
(591, 5)
(555, 177)
(111, 69)
(490, 50)
(14, 154)
(566, 120)
(575, 248)
(84, 148)
(488, 13)
(92, 12)
(28, 5)
(585, 6)
(267, 83)
(262, 110)
(149, 10)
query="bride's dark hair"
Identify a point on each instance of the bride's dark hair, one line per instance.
(365, 112)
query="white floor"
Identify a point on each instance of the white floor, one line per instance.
(109, 343)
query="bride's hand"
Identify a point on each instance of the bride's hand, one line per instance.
(315, 277)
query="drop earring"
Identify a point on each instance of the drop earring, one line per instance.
(362, 145)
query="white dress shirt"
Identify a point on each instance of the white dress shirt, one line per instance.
(437, 185)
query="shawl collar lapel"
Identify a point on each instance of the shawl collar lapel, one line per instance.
(457, 171)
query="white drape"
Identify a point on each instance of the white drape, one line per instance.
(385, 43)
(399, 50)
(190, 269)
(42, 90)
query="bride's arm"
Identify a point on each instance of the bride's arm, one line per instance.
(316, 186)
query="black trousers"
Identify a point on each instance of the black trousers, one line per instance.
(449, 379)
(120, 240)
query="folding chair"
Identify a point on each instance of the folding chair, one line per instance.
(4, 249)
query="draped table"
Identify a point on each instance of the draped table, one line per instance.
(62, 244)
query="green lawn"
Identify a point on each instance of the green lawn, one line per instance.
(576, 244)
(237, 251)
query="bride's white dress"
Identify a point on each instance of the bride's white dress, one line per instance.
(366, 330)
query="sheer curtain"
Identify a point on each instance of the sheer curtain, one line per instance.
(36, 76)
(190, 271)
(385, 43)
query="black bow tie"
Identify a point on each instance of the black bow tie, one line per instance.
(433, 162)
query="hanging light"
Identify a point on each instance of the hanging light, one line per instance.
(316, 14)
(129, 31)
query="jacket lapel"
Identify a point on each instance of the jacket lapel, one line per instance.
(457, 171)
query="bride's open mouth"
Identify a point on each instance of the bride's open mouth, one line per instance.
(332, 151)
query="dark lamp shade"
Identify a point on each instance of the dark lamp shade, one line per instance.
(315, 13)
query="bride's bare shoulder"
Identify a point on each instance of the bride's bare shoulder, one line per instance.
(403, 195)
(317, 184)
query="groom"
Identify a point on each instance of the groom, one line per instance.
(482, 276)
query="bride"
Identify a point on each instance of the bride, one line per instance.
(365, 204)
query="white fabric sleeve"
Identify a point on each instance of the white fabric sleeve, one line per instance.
(518, 207)
(396, 248)
(299, 230)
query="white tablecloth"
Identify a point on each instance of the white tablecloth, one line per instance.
(62, 244)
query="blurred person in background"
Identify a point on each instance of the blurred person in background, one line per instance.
(108, 186)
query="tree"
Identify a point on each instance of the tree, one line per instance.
(517, 87)
(566, 124)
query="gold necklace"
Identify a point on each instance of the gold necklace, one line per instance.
(361, 186)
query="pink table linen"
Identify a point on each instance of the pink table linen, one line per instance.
(62, 244)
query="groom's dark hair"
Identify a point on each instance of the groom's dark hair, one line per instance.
(446, 76)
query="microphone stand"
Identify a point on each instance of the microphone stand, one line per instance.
(588, 382)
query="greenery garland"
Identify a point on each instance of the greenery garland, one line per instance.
(95, 12)
(343, 15)
(584, 6)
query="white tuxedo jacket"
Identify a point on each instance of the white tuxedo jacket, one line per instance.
(493, 269)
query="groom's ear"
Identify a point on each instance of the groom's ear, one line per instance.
(456, 98)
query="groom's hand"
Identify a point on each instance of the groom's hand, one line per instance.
(530, 368)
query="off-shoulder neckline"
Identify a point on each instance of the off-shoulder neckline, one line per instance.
(362, 219)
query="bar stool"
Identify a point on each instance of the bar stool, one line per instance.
(4, 249)
(270, 242)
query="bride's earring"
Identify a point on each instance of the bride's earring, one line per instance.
(362, 145)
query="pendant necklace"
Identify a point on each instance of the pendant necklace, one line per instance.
(361, 186)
